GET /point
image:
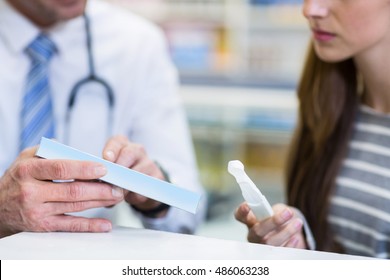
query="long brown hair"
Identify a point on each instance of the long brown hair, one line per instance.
(328, 102)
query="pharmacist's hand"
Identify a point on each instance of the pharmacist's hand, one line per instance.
(31, 201)
(284, 228)
(120, 150)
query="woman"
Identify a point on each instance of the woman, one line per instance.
(339, 167)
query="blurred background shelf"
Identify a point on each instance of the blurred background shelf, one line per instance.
(239, 62)
(234, 40)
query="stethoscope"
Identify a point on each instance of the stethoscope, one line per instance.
(91, 78)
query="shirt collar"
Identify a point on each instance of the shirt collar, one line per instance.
(22, 32)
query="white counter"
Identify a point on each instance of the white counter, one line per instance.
(140, 244)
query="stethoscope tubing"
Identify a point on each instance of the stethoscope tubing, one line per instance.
(91, 77)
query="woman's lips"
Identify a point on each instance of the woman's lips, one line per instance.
(323, 36)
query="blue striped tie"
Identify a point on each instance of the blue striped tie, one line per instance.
(37, 118)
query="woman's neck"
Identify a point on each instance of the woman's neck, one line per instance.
(375, 69)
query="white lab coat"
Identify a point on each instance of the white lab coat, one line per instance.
(130, 54)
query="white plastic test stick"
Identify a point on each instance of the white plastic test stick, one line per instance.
(252, 195)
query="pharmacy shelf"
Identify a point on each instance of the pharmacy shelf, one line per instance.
(248, 109)
(230, 40)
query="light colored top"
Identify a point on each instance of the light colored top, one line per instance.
(142, 244)
(131, 55)
(360, 208)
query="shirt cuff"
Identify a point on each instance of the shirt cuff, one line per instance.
(175, 220)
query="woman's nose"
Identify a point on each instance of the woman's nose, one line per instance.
(315, 8)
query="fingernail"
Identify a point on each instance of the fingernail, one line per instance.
(117, 192)
(105, 227)
(286, 214)
(110, 155)
(100, 170)
(245, 208)
(298, 224)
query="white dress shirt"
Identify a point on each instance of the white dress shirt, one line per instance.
(130, 54)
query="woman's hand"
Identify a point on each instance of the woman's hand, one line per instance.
(284, 228)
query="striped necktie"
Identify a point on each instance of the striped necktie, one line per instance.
(37, 118)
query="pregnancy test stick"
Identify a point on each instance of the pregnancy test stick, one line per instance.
(252, 195)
